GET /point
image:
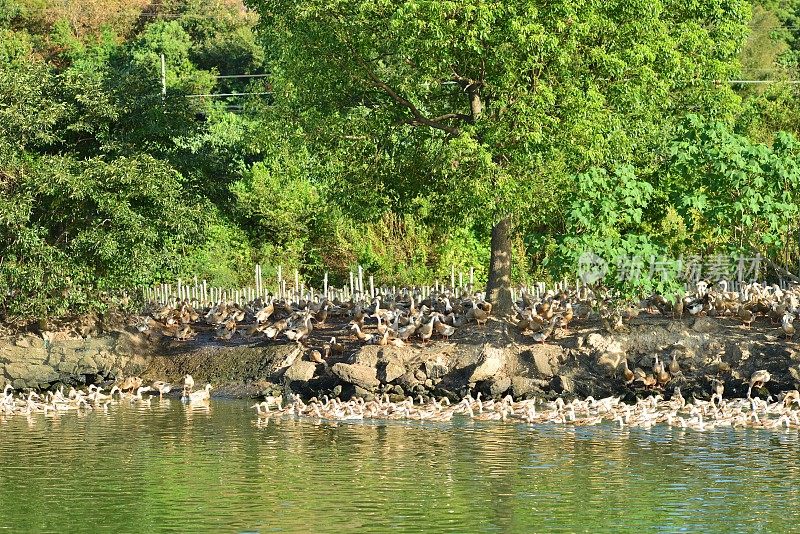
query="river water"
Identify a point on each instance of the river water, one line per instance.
(169, 467)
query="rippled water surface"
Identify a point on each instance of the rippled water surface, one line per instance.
(172, 468)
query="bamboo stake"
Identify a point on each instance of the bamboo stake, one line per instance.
(280, 282)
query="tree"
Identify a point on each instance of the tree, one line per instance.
(498, 103)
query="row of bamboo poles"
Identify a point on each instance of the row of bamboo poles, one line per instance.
(200, 294)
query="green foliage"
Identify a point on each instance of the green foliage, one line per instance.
(607, 219)
(719, 193)
(483, 111)
(739, 196)
(74, 228)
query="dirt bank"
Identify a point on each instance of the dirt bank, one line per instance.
(495, 360)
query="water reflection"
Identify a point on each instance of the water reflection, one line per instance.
(214, 467)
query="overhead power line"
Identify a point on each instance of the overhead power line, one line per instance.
(241, 76)
(212, 95)
(754, 82)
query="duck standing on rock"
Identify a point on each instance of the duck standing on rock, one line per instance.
(718, 387)
(443, 329)
(301, 332)
(758, 379)
(481, 315)
(425, 331)
(661, 374)
(746, 316)
(787, 327)
(627, 374)
(367, 338)
(541, 336)
(566, 318)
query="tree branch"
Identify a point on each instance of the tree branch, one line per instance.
(448, 116)
(419, 118)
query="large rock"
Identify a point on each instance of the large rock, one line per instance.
(490, 363)
(407, 380)
(12, 353)
(67, 368)
(357, 374)
(368, 355)
(547, 359)
(391, 371)
(87, 365)
(300, 371)
(135, 366)
(563, 384)
(31, 374)
(523, 387)
(436, 369)
(499, 385)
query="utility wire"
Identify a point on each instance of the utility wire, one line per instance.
(754, 82)
(212, 95)
(241, 76)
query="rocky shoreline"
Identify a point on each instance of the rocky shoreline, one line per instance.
(495, 360)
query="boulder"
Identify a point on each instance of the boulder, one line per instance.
(300, 371)
(363, 393)
(499, 385)
(563, 384)
(67, 368)
(391, 371)
(490, 363)
(31, 374)
(436, 369)
(357, 374)
(87, 365)
(407, 380)
(105, 361)
(368, 355)
(547, 359)
(135, 366)
(522, 386)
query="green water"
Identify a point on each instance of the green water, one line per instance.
(171, 468)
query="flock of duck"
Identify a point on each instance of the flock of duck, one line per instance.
(676, 412)
(752, 412)
(130, 390)
(398, 317)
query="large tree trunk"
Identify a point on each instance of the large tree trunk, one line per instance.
(498, 290)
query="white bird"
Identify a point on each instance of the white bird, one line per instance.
(200, 395)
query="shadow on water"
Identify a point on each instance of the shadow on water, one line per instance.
(169, 467)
